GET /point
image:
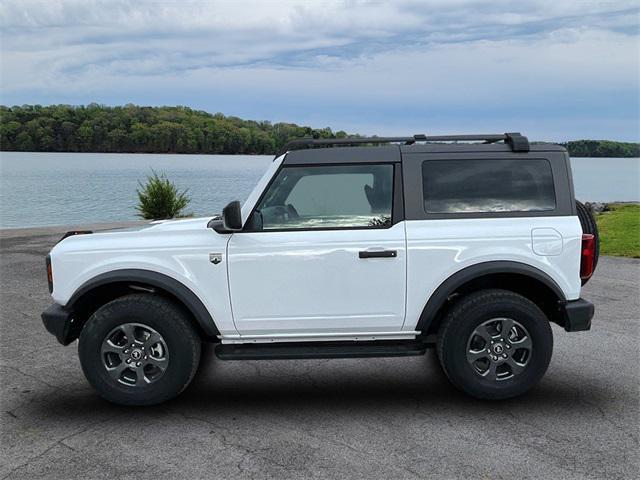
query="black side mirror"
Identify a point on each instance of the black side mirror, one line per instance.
(232, 216)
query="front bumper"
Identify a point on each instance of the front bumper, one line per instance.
(59, 322)
(577, 315)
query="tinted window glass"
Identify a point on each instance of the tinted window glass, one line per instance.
(480, 186)
(346, 196)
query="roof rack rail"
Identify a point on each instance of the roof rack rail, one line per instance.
(516, 141)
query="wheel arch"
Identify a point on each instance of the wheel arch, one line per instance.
(521, 278)
(110, 285)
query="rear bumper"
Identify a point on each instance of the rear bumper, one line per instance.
(577, 315)
(59, 322)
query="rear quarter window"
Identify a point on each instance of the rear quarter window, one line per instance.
(488, 186)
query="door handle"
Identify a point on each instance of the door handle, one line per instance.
(378, 253)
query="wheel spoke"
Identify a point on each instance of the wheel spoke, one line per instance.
(110, 347)
(491, 335)
(506, 327)
(516, 367)
(129, 332)
(524, 343)
(473, 356)
(154, 338)
(140, 380)
(491, 372)
(161, 363)
(483, 333)
(116, 371)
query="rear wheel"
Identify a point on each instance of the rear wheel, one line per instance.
(139, 349)
(495, 344)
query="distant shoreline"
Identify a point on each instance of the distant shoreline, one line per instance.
(167, 130)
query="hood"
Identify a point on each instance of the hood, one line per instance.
(155, 235)
(183, 224)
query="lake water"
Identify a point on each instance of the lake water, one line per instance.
(38, 189)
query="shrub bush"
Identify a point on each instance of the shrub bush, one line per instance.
(159, 198)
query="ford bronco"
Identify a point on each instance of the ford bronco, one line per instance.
(364, 247)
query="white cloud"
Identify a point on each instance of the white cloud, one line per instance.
(345, 54)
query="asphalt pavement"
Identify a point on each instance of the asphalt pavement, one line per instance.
(339, 419)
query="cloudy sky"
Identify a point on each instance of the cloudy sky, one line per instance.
(556, 69)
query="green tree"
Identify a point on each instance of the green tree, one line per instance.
(159, 198)
(98, 128)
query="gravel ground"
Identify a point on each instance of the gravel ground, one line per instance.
(380, 418)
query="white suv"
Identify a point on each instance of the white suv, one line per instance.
(358, 251)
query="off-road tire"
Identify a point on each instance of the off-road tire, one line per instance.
(164, 316)
(588, 223)
(471, 311)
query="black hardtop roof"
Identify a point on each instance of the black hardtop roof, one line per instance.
(391, 149)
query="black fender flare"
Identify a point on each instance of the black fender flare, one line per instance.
(154, 279)
(455, 281)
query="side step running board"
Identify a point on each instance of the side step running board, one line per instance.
(341, 349)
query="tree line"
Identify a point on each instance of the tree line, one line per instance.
(136, 129)
(602, 148)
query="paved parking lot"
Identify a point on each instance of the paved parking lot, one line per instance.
(380, 418)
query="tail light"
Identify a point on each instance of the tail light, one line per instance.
(49, 274)
(587, 256)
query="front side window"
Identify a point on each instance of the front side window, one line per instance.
(344, 196)
(488, 186)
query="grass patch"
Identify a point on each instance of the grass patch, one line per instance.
(620, 230)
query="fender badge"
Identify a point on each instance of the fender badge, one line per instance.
(215, 258)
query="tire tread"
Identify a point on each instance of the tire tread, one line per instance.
(589, 225)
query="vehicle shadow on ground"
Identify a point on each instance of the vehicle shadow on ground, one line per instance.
(268, 388)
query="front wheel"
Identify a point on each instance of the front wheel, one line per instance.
(495, 344)
(140, 349)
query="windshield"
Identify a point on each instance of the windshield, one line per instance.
(260, 187)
